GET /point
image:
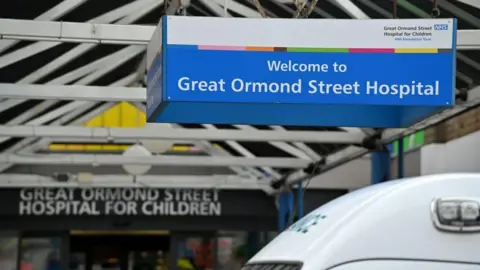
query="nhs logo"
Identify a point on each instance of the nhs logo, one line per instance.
(440, 27)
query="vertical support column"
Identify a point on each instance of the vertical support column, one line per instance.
(285, 210)
(380, 162)
(19, 251)
(173, 255)
(400, 160)
(65, 250)
(253, 244)
(300, 198)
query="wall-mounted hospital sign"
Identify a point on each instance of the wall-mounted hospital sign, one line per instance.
(118, 202)
(376, 73)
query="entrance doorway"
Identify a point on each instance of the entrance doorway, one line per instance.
(195, 251)
(134, 250)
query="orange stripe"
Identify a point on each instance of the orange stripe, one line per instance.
(260, 49)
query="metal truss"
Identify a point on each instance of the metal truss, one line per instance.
(40, 126)
(472, 3)
(73, 92)
(113, 134)
(130, 34)
(159, 160)
(159, 181)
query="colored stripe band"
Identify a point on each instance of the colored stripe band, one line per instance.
(364, 50)
(416, 50)
(221, 48)
(312, 50)
(321, 50)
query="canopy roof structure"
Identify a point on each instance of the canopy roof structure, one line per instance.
(63, 63)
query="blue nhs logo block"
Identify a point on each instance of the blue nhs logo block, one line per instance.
(440, 27)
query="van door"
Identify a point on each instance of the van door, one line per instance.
(404, 264)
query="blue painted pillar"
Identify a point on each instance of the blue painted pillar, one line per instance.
(300, 198)
(285, 210)
(400, 160)
(380, 167)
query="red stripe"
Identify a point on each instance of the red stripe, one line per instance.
(366, 50)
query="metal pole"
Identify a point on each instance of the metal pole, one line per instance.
(285, 210)
(400, 160)
(300, 200)
(380, 167)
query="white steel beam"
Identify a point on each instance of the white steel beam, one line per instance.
(300, 145)
(212, 150)
(49, 140)
(216, 8)
(245, 152)
(64, 7)
(376, 8)
(138, 13)
(52, 14)
(81, 109)
(74, 32)
(282, 145)
(239, 8)
(473, 3)
(99, 67)
(458, 12)
(84, 113)
(87, 112)
(27, 141)
(126, 12)
(82, 48)
(123, 180)
(350, 8)
(72, 92)
(52, 115)
(128, 80)
(9, 103)
(134, 34)
(110, 63)
(38, 47)
(111, 134)
(159, 160)
(24, 52)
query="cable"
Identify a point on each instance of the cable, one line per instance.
(302, 10)
(300, 4)
(394, 10)
(435, 10)
(312, 170)
(309, 10)
(260, 9)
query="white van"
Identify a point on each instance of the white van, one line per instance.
(422, 223)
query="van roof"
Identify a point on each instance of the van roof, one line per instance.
(389, 220)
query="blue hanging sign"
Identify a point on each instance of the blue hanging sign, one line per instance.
(372, 73)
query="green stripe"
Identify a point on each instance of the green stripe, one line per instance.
(336, 50)
(410, 142)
